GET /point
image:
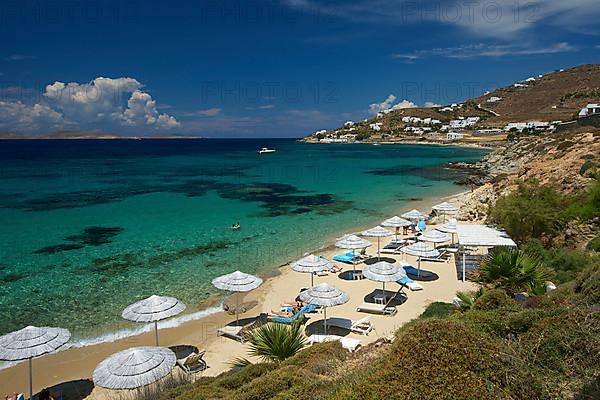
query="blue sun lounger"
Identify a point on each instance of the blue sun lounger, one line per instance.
(300, 314)
(345, 258)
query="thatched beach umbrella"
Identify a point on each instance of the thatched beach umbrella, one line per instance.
(420, 249)
(396, 222)
(377, 232)
(414, 215)
(134, 368)
(352, 242)
(324, 295)
(435, 236)
(31, 342)
(384, 272)
(153, 309)
(449, 227)
(311, 264)
(444, 208)
(237, 282)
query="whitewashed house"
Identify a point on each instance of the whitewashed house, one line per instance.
(454, 136)
(493, 99)
(348, 124)
(379, 115)
(376, 126)
(446, 109)
(590, 109)
(519, 126)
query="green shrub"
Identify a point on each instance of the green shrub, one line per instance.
(531, 211)
(514, 271)
(585, 206)
(594, 244)
(442, 359)
(438, 309)
(564, 264)
(492, 299)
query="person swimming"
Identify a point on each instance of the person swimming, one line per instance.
(236, 226)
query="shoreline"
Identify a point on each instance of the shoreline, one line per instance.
(467, 145)
(78, 362)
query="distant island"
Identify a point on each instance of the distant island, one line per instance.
(79, 135)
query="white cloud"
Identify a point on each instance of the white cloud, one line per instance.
(18, 116)
(388, 104)
(431, 104)
(210, 112)
(490, 18)
(267, 107)
(107, 101)
(486, 50)
(19, 57)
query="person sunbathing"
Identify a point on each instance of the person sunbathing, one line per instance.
(284, 314)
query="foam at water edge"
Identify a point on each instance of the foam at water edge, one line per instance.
(125, 333)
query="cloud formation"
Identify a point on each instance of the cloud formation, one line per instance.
(388, 104)
(120, 101)
(486, 50)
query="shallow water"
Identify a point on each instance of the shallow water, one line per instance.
(87, 227)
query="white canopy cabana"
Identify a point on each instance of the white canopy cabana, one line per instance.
(477, 235)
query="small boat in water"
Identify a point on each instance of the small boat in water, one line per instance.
(266, 150)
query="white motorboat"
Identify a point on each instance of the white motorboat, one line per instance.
(265, 150)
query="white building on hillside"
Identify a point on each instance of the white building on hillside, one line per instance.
(493, 99)
(454, 136)
(519, 126)
(376, 126)
(590, 109)
(348, 124)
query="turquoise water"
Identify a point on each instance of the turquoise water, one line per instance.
(87, 227)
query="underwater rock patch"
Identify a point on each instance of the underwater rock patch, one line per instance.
(95, 235)
(59, 248)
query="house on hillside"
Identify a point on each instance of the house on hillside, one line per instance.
(376, 126)
(454, 136)
(518, 126)
(348, 124)
(590, 109)
(493, 99)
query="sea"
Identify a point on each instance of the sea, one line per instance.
(90, 226)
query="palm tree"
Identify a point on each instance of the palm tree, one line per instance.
(468, 299)
(276, 342)
(514, 271)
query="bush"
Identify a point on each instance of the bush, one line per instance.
(564, 264)
(492, 299)
(594, 244)
(441, 359)
(532, 211)
(438, 309)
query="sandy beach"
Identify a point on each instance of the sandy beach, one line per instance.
(76, 364)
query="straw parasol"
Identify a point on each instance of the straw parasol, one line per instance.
(134, 368)
(449, 227)
(414, 215)
(324, 295)
(352, 242)
(383, 271)
(311, 264)
(153, 309)
(435, 236)
(377, 232)
(396, 222)
(237, 282)
(444, 208)
(420, 249)
(31, 342)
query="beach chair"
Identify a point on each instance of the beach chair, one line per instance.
(443, 257)
(309, 308)
(422, 275)
(193, 363)
(238, 332)
(362, 326)
(409, 283)
(347, 343)
(345, 258)
(383, 309)
(391, 248)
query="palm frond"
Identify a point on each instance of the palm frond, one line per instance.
(276, 342)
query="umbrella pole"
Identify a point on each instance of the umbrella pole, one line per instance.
(237, 306)
(325, 319)
(312, 279)
(30, 380)
(156, 331)
(384, 292)
(353, 263)
(419, 272)
(378, 255)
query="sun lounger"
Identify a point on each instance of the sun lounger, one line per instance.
(383, 309)
(193, 363)
(309, 308)
(420, 275)
(347, 343)
(362, 326)
(444, 256)
(238, 332)
(391, 248)
(345, 258)
(409, 283)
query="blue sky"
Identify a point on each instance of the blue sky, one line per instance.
(269, 68)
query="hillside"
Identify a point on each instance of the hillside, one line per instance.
(556, 96)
